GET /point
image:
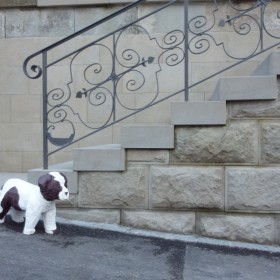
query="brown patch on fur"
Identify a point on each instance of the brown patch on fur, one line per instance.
(9, 200)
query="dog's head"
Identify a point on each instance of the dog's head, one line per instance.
(53, 186)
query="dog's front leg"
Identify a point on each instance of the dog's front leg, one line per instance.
(49, 221)
(31, 220)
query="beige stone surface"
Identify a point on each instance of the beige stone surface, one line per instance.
(5, 108)
(248, 228)
(175, 222)
(12, 80)
(235, 143)
(10, 161)
(20, 137)
(128, 189)
(179, 187)
(31, 160)
(26, 109)
(255, 189)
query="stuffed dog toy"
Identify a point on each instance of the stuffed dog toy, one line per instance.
(24, 199)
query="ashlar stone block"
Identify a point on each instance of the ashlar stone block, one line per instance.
(254, 189)
(277, 229)
(256, 109)
(147, 156)
(248, 228)
(235, 143)
(175, 222)
(186, 187)
(270, 143)
(127, 189)
(109, 216)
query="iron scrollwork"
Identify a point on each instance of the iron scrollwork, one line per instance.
(101, 85)
(243, 22)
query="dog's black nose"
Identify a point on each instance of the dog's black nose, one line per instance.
(66, 193)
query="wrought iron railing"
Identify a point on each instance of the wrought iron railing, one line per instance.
(126, 72)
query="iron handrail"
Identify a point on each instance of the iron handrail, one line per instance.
(36, 68)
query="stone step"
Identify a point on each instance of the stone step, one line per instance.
(147, 136)
(199, 113)
(66, 168)
(5, 176)
(99, 158)
(269, 66)
(246, 88)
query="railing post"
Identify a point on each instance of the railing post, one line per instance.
(114, 79)
(186, 30)
(45, 110)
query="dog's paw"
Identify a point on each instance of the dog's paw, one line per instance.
(28, 231)
(51, 231)
(2, 221)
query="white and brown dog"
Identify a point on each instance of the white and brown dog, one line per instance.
(24, 199)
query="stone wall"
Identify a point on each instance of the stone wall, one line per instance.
(219, 182)
(27, 26)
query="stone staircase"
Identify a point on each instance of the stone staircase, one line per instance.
(143, 149)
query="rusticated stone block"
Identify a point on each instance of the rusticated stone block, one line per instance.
(49, 22)
(253, 189)
(17, 3)
(248, 228)
(270, 143)
(114, 189)
(175, 222)
(147, 156)
(257, 109)
(277, 229)
(109, 216)
(234, 143)
(187, 187)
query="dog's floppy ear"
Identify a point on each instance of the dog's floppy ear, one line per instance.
(65, 178)
(49, 187)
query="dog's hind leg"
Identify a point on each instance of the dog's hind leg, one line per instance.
(10, 199)
(2, 219)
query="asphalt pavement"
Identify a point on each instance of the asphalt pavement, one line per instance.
(88, 253)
